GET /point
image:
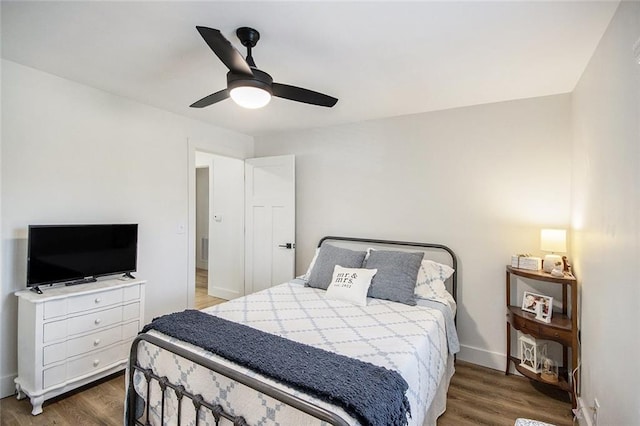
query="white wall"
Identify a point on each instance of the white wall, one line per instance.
(226, 236)
(71, 153)
(482, 180)
(605, 215)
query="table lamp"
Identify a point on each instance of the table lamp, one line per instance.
(555, 241)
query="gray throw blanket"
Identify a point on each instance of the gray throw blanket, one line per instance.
(373, 395)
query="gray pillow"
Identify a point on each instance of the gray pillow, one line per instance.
(396, 277)
(328, 258)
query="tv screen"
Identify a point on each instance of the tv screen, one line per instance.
(59, 253)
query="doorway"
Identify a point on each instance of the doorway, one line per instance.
(202, 297)
(229, 253)
(218, 243)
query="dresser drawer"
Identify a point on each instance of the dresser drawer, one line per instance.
(83, 365)
(94, 300)
(80, 345)
(54, 330)
(131, 293)
(55, 308)
(96, 360)
(131, 311)
(54, 376)
(94, 321)
(130, 330)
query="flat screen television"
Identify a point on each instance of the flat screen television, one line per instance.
(74, 254)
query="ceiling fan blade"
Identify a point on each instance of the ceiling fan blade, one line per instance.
(224, 50)
(211, 99)
(302, 95)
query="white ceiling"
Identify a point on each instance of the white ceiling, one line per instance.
(381, 59)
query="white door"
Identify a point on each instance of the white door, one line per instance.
(270, 221)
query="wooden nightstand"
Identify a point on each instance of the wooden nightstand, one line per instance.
(563, 328)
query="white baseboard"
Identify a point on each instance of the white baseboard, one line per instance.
(483, 357)
(223, 293)
(7, 386)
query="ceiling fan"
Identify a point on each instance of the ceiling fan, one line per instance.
(246, 84)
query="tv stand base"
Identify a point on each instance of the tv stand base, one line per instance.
(82, 281)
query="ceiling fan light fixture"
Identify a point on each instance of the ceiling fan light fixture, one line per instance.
(250, 97)
(248, 86)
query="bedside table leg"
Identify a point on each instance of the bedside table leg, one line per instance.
(506, 370)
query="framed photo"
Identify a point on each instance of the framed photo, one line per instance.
(530, 302)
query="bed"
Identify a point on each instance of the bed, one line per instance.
(173, 380)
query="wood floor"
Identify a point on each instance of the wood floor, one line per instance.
(477, 396)
(482, 396)
(101, 404)
(202, 299)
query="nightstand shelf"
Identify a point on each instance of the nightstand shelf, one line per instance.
(562, 381)
(563, 327)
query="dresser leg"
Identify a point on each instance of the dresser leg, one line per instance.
(36, 403)
(19, 393)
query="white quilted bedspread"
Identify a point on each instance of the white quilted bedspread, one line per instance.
(409, 339)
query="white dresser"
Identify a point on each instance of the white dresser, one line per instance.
(71, 336)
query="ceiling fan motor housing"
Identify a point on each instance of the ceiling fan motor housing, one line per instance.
(248, 36)
(260, 79)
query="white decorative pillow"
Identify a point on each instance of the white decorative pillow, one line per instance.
(430, 281)
(350, 285)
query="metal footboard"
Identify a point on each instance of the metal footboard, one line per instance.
(197, 402)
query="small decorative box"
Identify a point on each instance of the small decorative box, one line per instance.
(526, 262)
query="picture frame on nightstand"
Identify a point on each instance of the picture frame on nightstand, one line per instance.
(532, 301)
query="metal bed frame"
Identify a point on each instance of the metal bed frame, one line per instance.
(197, 401)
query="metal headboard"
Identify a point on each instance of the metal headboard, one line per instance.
(454, 261)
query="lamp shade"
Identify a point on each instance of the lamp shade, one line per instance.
(553, 240)
(250, 97)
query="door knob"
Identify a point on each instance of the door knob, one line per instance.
(288, 246)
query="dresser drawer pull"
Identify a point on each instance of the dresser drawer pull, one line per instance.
(98, 300)
(97, 321)
(96, 342)
(556, 334)
(96, 362)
